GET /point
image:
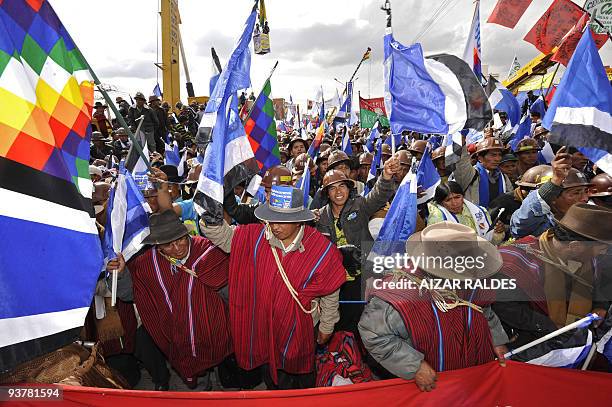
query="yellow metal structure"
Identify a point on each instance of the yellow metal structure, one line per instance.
(200, 99)
(170, 20)
(537, 66)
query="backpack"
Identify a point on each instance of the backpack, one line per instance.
(340, 362)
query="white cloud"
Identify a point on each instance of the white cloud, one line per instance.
(314, 41)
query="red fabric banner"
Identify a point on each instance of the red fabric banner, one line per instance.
(568, 46)
(548, 32)
(508, 12)
(517, 384)
(374, 105)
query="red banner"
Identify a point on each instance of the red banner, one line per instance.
(568, 46)
(374, 105)
(517, 384)
(548, 32)
(508, 12)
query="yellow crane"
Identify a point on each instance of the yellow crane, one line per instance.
(172, 50)
(537, 66)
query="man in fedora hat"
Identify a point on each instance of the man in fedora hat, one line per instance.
(566, 187)
(150, 122)
(557, 279)
(278, 269)
(123, 106)
(416, 332)
(483, 182)
(176, 283)
(162, 117)
(122, 145)
(99, 148)
(100, 120)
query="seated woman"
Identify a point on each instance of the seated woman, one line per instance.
(449, 205)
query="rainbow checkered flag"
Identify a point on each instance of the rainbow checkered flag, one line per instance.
(50, 256)
(260, 128)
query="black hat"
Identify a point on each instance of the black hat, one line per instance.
(165, 227)
(99, 104)
(172, 172)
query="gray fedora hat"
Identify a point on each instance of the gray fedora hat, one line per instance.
(165, 227)
(454, 251)
(286, 205)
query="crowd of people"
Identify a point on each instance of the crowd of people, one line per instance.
(259, 294)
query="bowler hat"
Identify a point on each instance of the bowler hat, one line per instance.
(286, 205)
(165, 227)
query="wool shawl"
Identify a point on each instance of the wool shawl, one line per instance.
(187, 318)
(268, 326)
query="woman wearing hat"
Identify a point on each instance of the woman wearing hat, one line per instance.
(558, 280)
(284, 278)
(344, 219)
(176, 282)
(449, 205)
(416, 332)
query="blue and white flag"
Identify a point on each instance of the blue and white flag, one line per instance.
(157, 91)
(428, 177)
(546, 155)
(579, 114)
(181, 164)
(538, 106)
(127, 218)
(373, 167)
(453, 144)
(172, 155)
(438, 95)
(503, 100)
(229, 146)
(346, 143)
(400, 222)
(472, 51)
(568, 350)
(374, 135)
(523, 130)
(394, 140)
(140, 170)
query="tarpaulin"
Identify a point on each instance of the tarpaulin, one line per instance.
(517, 384)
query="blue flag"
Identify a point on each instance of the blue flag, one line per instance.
(229, 146)
(157, 91)
(502, 99)
(400, 221)
(172, 155)
(346, 143)
(127, 218)
(438, 95)
(579, 114)
(428, 177)
(374, 134)
(538, 107)
(374, 166)
(523, 130)
(394, 138)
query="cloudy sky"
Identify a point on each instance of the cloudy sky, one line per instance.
(314, 41)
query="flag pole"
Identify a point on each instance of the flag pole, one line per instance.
(588, 319)
(262, 88)
(118, 115)
(356, 69)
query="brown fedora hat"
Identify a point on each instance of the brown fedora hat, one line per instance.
(165, 227)
(591, 221)
(446, 247)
